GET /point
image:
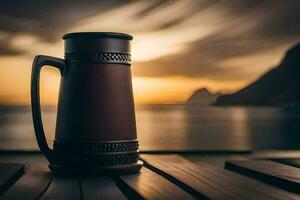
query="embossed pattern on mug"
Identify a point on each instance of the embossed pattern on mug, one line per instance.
(96, 147)
(99, 57)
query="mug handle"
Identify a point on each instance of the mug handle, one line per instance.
(38, 63)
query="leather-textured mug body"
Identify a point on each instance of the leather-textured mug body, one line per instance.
(95, 128)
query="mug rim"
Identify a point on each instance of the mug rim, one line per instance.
(117, 35)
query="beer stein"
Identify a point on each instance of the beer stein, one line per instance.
(95, 127)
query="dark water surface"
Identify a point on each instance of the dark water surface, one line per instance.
(178, 127)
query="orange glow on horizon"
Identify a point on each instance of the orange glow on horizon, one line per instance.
(176, 89)
(15, 85)
(16, 71)
(202, 45)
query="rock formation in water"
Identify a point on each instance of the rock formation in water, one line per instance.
(280, 86)
(202, 97)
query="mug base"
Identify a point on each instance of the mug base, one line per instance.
(94, 171)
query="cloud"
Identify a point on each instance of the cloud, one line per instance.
(5, 48)
(257, 35)
(47, 19)
(172, 38)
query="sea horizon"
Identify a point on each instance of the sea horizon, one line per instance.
(176, 127)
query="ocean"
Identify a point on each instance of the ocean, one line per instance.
(177, 128)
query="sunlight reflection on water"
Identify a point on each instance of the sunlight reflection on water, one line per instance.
(178, 127)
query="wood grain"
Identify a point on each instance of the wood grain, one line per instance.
(100, 188)
(275, 154)
(294, 162)
(30, 186)
(9, 174)
(277, 174)
(63, 188)
(149, 185)
(212, 182)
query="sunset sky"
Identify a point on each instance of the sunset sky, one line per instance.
(178, 46)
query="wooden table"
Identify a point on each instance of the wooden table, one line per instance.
(257, 175)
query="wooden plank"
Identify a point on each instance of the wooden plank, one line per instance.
(30, 186)
(9, 174)
(274, 154)
(63, 188)
(294, 162)
(212, 182)
(149, 185)
(215, 160)
(100, 188)
(277, 174)
(28, 158)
